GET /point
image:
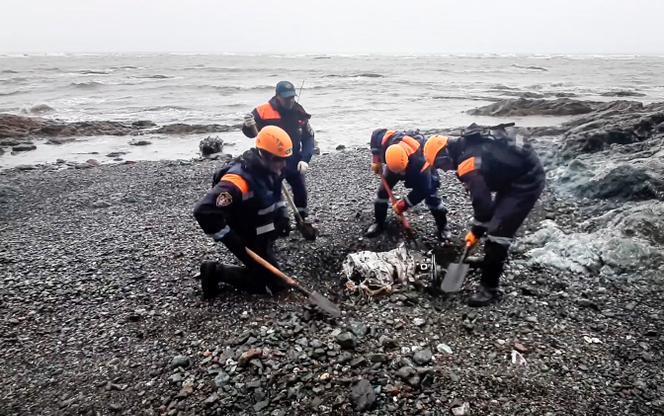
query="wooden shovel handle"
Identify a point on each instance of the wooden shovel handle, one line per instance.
(283, 276)
(404, 220)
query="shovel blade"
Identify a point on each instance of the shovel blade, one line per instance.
(308, 231)
(454, 277)
(324, 304)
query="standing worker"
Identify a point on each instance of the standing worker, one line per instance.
(244, 210)
(284, 112)
(485, 164)
(397, 155)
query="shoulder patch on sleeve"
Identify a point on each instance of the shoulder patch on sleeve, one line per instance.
(224, 199)
(468, 166)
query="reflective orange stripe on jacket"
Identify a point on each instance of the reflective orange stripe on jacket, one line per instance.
(266, 112)
(410, 145)
(388, 134)
(467, 166)
(238, 181)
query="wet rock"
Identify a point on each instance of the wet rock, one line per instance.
(423, 357)
(60, 140)
(363, 395)
(41, 109)
(116, 154)
(221, 379)
(406, 372)
(249, 355)
(211, 145)
(258, 407)
(26, 167)
(212, 399)
(180, 361)
(530, 107)
(180, 128)
(346, 340)
(443, 348)
(139, 142)
(359, 329)
(143, 124)
(9, 142)
(25, 147)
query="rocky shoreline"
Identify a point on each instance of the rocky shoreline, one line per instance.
(101, 313)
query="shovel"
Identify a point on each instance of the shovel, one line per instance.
(456, 274)
(404, 221)
(315, 298)
(308, 231)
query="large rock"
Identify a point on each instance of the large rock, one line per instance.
(180, 128)
(530, 107)
(618, 122)
(211, 145)
(363, 395)
(590, 252)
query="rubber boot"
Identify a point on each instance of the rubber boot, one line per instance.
(209, 279)
(374, 230)
(484, 296)
(440, 216)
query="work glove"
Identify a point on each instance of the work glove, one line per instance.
(471, 239)
(302, 166)
(282, 226)
(400, 206)
(376, 168)
(249, 120)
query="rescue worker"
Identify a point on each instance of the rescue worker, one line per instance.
(244, 209)
(397, 155)
(485, 164)
(284, 112)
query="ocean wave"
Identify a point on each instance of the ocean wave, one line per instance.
(357, 75)
(6, 94)
(126, 67)
(214, 69)
(8, 71)
(622, 93)
(155, 76)
(503, 87)
(532, 67)
(166, 108)
(86, 85)
(92, 72)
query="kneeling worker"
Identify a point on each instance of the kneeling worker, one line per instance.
(244, 209)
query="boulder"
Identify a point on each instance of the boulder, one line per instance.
(211, 145)
(529, 107)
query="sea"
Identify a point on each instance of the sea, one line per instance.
(347, 96)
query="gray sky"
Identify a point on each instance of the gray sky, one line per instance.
(334, 26)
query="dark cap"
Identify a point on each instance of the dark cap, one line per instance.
(285, 89)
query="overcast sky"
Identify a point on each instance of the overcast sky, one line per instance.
(334, 26)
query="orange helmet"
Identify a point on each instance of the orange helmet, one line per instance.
(275, 141)
(432, 148)
(396, 158)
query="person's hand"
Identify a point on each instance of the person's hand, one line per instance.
(376, 168)
(471, 239)
(302, 166)
(249, 120)
(400, 206)
(282, 226)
